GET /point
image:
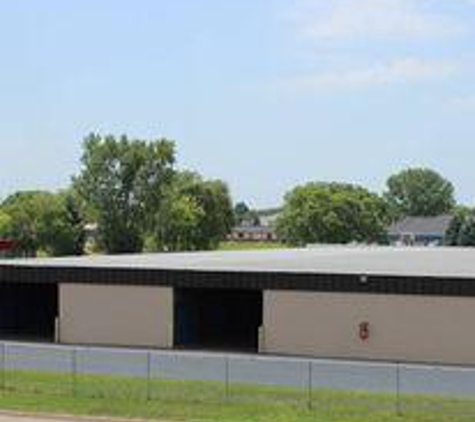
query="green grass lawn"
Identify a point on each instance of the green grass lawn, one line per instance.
(249, 246)
(210, 401)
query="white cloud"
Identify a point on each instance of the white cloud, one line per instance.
(392, 26)
(402, 71)
(347, 19)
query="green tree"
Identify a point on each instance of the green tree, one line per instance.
(5, 224)
(419, 192)
(122, 183)
(332, 213)
(196, 214)
(25, 210)
(467, 232)
(75, 219)
(462, 228)
(452, 236)
(241, 213)
(177, 223)
(41, 221)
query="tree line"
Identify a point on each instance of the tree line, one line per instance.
(135, 197)
(343, 213)
(132, 192)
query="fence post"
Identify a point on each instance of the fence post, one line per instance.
(149, 375)
(226, 377)
(310, 386)
(74, 369)
(3, 369)
(398, 389)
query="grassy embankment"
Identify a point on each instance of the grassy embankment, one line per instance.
(209, 401)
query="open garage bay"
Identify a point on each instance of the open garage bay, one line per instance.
(218, 319)
(28, 311)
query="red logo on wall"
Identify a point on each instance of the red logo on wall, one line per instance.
(364, 331)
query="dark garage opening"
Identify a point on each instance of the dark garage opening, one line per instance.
(28, 311)
(218, 319)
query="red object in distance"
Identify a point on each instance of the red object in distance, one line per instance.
(6, 245)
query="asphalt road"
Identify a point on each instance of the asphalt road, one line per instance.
(243, 368)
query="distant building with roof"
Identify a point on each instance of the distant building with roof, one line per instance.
(253, 234)
(259, 228)
(420, 231)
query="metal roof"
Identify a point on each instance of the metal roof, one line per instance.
(381, 261)
(422, 225)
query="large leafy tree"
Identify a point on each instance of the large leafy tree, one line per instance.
(46, 222)
(122, 182)
(195, 215)
(332, 213)
(419, 192)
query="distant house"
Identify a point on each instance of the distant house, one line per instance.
(420, 231)
(253, 234)
(260, 228)
(269, 219)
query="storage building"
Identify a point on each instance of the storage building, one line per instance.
(404, 304)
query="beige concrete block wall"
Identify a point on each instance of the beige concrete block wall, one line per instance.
(405, 328)
(116, 315)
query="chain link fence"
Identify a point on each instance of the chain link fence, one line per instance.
(153, 375)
